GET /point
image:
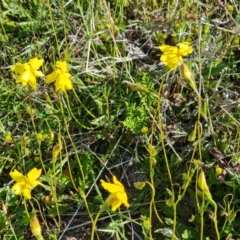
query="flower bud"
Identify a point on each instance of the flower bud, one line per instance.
(218, 170)
(202, 183)
(176, 26)
(51, 136)
(4, 208)
(39, 137)
(193, 134)
(36, 228)
(8, 138)
(139, 185)
(25, 140)
(186, 72)
(230, 8)
(56, 150)
(144, 130)
(135, 86)
(235, 41)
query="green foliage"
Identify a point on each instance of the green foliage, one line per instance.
(126, 116)
(136, 117)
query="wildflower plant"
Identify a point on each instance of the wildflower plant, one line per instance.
(117, 197)
(151, 127)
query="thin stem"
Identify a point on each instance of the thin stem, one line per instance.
(94, 223)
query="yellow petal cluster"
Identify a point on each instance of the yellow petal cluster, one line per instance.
(172, 55)
(117, 195)
(61, 77)
(28, 72)
(25, 184)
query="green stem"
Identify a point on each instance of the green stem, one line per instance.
(94, 223)
(215, 219)
(150, 208)
(54, 188)
(35, 130)
(82, 187)
(201, 218)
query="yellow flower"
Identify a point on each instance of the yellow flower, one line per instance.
(61, 77)
(172, 56)
(117, 195)
(24, 184)
(28, 72)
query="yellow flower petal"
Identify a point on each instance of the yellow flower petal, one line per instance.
(122, 196)
(37, 73)
(63, 82)
(34, 174)
(113, 201)
(35, 63)
(185, 48)
(171, 61)
(26, 193)
(18, 187)
(62, 65)
(68, 82)
(17, 176)
(32, 81)
(169, 49)
(23, 78)
(112, 188)
(115, 204)
(115, 181)
(52, 77)
(116, 199)
(18, 68)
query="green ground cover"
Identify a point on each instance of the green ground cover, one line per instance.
(119, 119)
